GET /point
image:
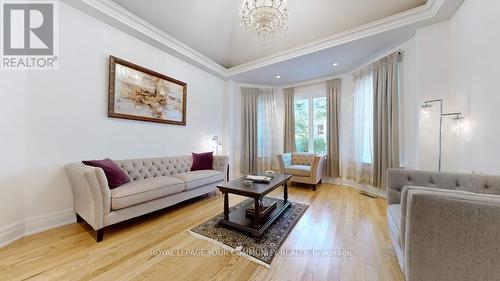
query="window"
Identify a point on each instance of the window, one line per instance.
(321, 130)
(310, 124)
(302, 125)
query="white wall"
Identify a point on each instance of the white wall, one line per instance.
(53, 118)
(457, 60)
(433, 82)
(475, 72)
(12, 148)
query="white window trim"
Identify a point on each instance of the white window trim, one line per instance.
(310, 98)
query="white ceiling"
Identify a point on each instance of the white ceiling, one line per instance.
(207, 34)
(213, 27)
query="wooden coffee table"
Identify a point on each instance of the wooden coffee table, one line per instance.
(255, 225)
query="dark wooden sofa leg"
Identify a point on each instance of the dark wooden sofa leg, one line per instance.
(79, 219)
(314, 187)
(99, 235)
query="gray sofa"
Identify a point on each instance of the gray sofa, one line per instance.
(155, 184)
(444, 226)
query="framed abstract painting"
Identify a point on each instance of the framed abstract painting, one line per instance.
(139, 93)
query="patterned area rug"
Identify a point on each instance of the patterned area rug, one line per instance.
(242, 244)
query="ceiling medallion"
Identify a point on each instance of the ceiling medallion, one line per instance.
(264, 18)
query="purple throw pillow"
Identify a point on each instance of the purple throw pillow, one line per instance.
(202, 161)
(115, 175)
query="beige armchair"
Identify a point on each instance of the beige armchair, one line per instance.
(304, 167)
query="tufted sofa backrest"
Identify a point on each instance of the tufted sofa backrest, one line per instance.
(399, 178)
(139, 169)
(302, 159)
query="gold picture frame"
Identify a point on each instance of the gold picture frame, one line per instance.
(138, 93)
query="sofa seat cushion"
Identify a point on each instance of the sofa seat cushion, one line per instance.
(195, 179)
(298, 170)
(394, 221)
(140, 191)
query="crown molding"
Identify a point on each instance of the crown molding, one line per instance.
(422, 13)
(131, 21)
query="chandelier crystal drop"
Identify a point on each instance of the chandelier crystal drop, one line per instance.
(264, 18)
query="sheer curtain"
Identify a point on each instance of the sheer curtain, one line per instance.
(267, 138)
(358, 158)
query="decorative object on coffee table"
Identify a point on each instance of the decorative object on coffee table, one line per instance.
(257, 225)
(259, 178)
(240, 243)
(138, 93)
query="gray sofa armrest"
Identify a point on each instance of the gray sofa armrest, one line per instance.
(451, 236)
(91, 194)
(221, 163)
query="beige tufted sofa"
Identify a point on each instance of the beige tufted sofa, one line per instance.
(444, 226)
(155, 184)
(304, 167)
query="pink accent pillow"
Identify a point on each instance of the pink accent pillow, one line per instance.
(202, 161)
(115, 175)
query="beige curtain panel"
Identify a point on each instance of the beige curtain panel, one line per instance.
(268, 141)
(249, 100)
(385, 117)
(333, 89)
(289, 118)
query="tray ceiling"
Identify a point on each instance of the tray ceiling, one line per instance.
(213, 28)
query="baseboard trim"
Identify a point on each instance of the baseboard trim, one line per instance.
(363, 187)
(11, 233)
(30, 226)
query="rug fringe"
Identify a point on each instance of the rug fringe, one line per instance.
(226, 247)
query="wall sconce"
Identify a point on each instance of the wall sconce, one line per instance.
(458, 124)
(456, 127)
(426, 112)
(218, 143)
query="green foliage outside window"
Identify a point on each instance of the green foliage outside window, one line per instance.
(302, 125)
(316, 134)
(319, 109)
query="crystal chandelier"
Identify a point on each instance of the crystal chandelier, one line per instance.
(264, 18)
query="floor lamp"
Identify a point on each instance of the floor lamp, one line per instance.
(457, 120)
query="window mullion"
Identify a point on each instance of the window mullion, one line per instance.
(311, 125)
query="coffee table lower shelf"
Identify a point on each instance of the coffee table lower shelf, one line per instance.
(238, 219)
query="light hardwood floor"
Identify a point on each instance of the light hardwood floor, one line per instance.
(338, 218)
